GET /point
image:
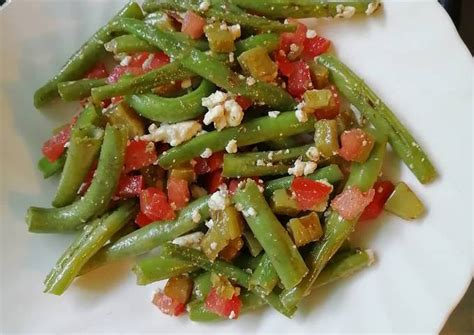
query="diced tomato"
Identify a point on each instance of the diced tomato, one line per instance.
(214, 180)
(299, 80)
(356, 145)
(88, 179)
(383, 190)
(211, 164)
(168, 305)
(193, 25)
(315, 46)
(99, 71)
(116, 100)
(178, 192)
(227, 308)
(137, 59)
(158, 60)
(142, 220)
(130, 186)
(352, 202)
(120, 70)
(54, 147)
(332, 111)
(139, 154)
(105, 103)
(285, 66)
(243, 102)
(297, 38)
(154, 204)
(309, 193)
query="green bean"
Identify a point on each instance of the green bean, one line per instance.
(172, 110)
(202, 285)
(341, 266)
(337, 229)
(247, 262)
(261, 163)
(49, 169)
(282, 143)
(252, 132)
(89, 116)
(97, 197)
(265, 275)
(281, 9)
(159, 267)
(268, 41)
(207, 66)
(232, 15)
(383, 119)
(85, 58)
(142, 84)
(83, 150)
(86, 244)
(235, 274)
(149, 237)
(272, 236)
(331, 173)
(79, 89)
(255, 248)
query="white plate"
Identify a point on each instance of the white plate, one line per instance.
(409, 53)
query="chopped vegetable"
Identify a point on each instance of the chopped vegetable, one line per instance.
(154, 204)
(310, 193)
(383, 190)
(305, 229)
(193, 25)
(356, 145)
(326, 138)
(258, 64)
(351, 202)
(139, 154)
(404, 203)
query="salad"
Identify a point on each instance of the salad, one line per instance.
(224, 142)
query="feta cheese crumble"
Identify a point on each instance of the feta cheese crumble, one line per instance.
(372, 7)
(250, 81)
(196, 216)
(249, 212)
(173, 134)
(224, 111)
(313, 154)
(300, 113)
(231, 147)
(345, 12)
(204, 6)
(206, 153)
(191, 240)
(301, 168)
(273, 114)
(218, 200)
(310, 33)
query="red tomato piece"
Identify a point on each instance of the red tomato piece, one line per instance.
(54, 147)
(120, 70)
(154, 204)
(142, 220)
(88, 179)
(356, 144)
(214, 180)
(332, 111)
(138, 59)
(352, 202)
(285, 66)
(167, 304)
(149, 61)
(178, 192)
(383, 190)
(298, 37)
(227, 308)
(97, 72)
(211, 164)
(243, 102)
(193, 25)
(299, 80)
(309, 193)
(130, 186)
(315, 46)
(139, 154)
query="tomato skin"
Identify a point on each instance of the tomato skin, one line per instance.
(243, 102)
(383, 190)
(299, 80)
(139, 154)
(97, 72)
(315, 46)
(168, 305)
(178, 192)
(154, 204)
(211, 164)
(298, 37)
(332, 111)
(54, 147)
(120, 70)
(130, 186)
(309, 193)
(213, 180)
(142, 220)
(139, 59)
(285, 66)
(352, 202)
(193, 25)
(227, 308)
(356, 145)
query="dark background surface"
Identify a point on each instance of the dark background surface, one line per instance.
(461, 320)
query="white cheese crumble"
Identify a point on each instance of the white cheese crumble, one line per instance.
(300, 113)
(147, 63)
(260, 162)
(126, 61)
(372, 7)
(345, 12)
(249, 212)
(231, 147)
(196, 216)
(235, 31)
(310, 33)
(301, 168)
(206, 153)
(294, 47)
(67, 144)
(186, 83)
(232, 315)
(250, 81)
(313, 154)
(204, 6)
(213, 245)
(209, 224)
(224, 111)
(270, 155)
(218, 200)
(191, 240)
(231, 57)
(273, 114)
(174, 134)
